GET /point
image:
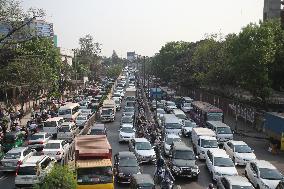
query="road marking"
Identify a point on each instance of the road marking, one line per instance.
(3, 177)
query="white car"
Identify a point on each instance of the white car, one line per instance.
(234, 182)
(117, 95)
(169, 139)
(56, 149)
(262, 174)
(239, 151)
(186, 107)
(142, 150)
(126, 133)
(170, 106)
(126, 121)
(81, 120)
(219, 163)
(187, 126)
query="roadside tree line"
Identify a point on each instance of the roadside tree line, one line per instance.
(250, 61)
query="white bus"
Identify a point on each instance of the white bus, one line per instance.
(69, 111)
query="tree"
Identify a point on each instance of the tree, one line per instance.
(60, 177)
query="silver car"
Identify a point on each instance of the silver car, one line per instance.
(15, 157)
(67, 131)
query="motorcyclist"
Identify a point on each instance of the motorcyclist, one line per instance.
(160, 161)
(210, 186)
(168, 179)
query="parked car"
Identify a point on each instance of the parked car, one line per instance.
(187, 126)
(125, 165)
(67, 131)
(233, 182)
(15, 157)
(219, 163)
(128, 111)
(142, 149)
(56, 149)
(183, 161)
(169, 139)
(239, 151)
(38, 140)
(262, 174)
(98, 129)
(33, 171)
(142, 181)
(186, 107)
(126, 132)
(126, 120)
(81, 121)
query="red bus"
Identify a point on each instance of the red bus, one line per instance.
(202, 112)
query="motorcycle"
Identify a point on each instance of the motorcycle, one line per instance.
(159, 174)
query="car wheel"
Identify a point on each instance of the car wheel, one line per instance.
(234, 160)
(246, 174)
(257, 187)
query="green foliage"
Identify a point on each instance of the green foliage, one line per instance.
(113, 71)
(252, 60)
(60, 177)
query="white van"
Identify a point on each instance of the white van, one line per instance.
(52, 125)
(171, 124)
(203, 139)
(223, 131)
(69, 111)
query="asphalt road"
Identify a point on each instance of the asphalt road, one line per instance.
(7, 181)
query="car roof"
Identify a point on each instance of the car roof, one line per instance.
(264, 164)
(98, 126)
(217, 152)
(143, 178)
(235, 142)
(33, 160)
(238, 180)
(181, 146)
(126, 154)
(140, 140)
(67, 123)
(17, 149)
(172, 136)
(178, 111)
(207, 137)
(40, 133)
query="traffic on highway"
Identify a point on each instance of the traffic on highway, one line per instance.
(121, 134)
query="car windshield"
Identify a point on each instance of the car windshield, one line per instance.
(64, 112)
(116, 94)
(223, 162)
(128, 162)
(127, 119)
(242, 187)
(170, 104)
(224, 130)
(189, 124)
(171, 140)
(143, 146)
(52, 146)
(161, 111)
(186, 105)
(11, 155)
(184, 154)
(64, 129)
(85, 111)
(173, 126)
(270, 174)
(209, 143)
(129, 109)
(36, 137)
(27, 170)
(50, 124)
(243, 149)
(181, 116)
(107, 111)
(214, 116)
(97, 132)
(81, 118)
(94, 175)
(127, 130)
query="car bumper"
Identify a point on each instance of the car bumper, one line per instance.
(146, 159)
(8, 169)
(186, 173)
(124, 139)
(123, 179)
(36, 146)
(241, 162)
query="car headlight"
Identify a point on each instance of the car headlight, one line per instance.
(176, 169)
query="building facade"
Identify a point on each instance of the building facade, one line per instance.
(271, 9)
(131, 56)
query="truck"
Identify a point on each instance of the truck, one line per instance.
(93, 164)
(274, 125)
(156, 93)
(203, 139)
(130, 94)
(107, 111)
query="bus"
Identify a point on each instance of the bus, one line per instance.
(69, 111)
(202, 112)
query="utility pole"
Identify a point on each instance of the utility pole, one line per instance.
(282, 15)
(144, 71)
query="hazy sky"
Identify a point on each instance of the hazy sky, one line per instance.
(144, 25)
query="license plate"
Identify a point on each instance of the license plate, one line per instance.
(9, 164)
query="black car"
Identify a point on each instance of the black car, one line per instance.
(125, 165)
(183, 161)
